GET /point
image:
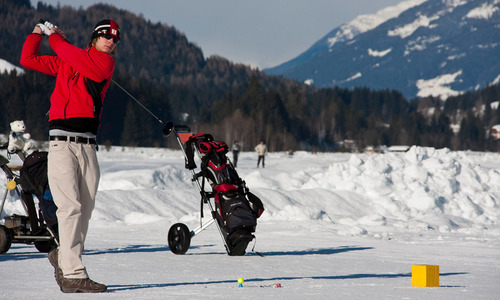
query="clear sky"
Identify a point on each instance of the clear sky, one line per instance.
(261, 33)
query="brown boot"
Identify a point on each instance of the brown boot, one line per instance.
(81, 285)
(53, 259)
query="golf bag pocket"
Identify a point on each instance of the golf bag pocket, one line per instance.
(234, 209)
(255, 204)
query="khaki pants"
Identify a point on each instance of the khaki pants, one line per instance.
(74, 174)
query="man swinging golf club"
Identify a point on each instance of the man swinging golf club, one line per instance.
(82, 79)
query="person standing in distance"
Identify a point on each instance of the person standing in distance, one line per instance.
(261, 150)
(236, 151)
(82, 79)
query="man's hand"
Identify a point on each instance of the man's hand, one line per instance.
(49, 25)
(48, 28)
(45, 30)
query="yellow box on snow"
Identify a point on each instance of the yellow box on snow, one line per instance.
(425, 275)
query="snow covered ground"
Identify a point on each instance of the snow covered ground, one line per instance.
(336, 226)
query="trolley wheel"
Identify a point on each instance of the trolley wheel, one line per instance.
(5, 239)
(45, 246)
(179, 238)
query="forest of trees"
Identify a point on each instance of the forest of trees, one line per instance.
(170, 76)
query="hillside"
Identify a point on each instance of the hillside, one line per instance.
(154, 61)
(158, 65)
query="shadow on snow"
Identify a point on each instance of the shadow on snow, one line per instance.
(151, 249)
(323, 251)
(116, 288)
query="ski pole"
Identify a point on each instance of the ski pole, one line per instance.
(167, 127)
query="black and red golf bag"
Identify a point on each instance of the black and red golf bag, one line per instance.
(237, 208)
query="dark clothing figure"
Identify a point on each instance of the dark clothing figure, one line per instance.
(236, 152)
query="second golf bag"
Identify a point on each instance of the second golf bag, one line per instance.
(34, 181)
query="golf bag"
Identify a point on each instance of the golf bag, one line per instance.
(34, 181)
(237, 208)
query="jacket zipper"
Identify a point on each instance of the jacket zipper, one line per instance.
(69, 93)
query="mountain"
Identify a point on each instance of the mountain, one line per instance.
(421, 48)
(169, 75)
(344, 33)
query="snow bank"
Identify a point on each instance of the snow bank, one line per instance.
(442, 189)
(424, 189)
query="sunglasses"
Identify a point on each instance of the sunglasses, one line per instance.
(109, 36)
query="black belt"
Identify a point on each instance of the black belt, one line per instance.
(76, 139)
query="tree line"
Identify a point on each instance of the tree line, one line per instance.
(170, 76)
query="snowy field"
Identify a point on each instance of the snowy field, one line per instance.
(336, 226)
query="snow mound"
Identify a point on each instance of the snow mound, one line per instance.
(424, 189)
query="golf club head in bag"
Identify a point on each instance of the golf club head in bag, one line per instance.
(167, 129)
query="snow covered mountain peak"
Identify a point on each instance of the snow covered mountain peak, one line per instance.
(422, 48)
(484, 11)
(367, 22)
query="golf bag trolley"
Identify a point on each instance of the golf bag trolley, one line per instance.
(235, 210)
(39, 226)
(232, 206)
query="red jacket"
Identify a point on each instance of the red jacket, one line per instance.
(72, 66)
